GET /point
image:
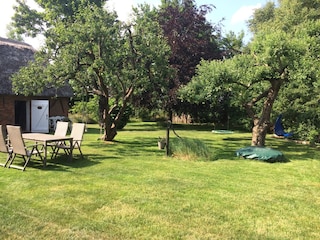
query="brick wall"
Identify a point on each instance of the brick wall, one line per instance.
(57, 107)
(6, 110)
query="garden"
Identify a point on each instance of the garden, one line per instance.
(130, 189)
(155, 67)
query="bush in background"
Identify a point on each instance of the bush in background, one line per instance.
(307, 131)
(85, 111)
(88, 111)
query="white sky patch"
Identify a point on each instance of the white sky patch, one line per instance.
(32, 4)
(243, 14)
(6, 12)
(122, 7)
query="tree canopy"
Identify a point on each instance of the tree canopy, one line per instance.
(279, 58)
(191, 38)
(31, 22)
(96, 53)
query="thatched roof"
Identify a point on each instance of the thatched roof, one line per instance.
(13, 56)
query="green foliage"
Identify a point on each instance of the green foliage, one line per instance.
(152, 55)
(191, 149)
(263, 15)
(30, 22)
(233, 76)
(313, 136)
(147, 115)
(307, 131)
(286, 16)
(89, 110)
(232, 44)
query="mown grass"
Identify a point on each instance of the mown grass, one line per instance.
(129, 189)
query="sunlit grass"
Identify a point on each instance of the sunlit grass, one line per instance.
(129, 189)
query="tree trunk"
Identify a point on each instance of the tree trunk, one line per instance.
(262, 124)
(109, 134)
(108, 123)
(109, 129)
(259, 132)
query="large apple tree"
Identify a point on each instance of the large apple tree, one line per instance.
(96, 53)
(280, 56)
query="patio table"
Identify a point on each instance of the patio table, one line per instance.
(45, 139)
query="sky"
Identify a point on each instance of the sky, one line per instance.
(234, 12)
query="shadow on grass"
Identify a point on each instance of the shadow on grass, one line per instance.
(140, 146)
(225, 149)
(296, 151)
(63, 163)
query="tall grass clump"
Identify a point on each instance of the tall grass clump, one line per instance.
(191, 149)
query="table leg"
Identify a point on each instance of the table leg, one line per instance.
(45, 154)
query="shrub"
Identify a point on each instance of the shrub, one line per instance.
(191, 149)
(147, 115)
(306, 131)
(88, 112)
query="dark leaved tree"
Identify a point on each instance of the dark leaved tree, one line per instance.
(191, 38)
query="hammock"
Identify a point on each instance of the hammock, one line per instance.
(279, 130)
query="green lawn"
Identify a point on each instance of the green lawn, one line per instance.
(129, 189)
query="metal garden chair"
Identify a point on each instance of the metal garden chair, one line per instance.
(61, 130)
(77, 135)
(4, 147)
(19, 148)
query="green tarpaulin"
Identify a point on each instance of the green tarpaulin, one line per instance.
(261, 153)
